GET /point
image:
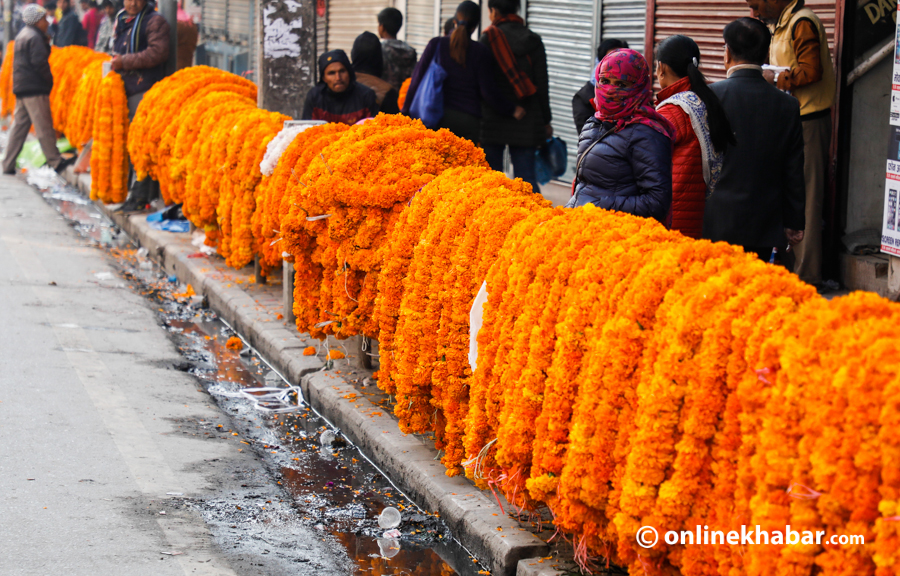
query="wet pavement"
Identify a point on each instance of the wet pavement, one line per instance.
(316, 481)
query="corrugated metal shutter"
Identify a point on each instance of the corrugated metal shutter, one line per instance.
(567, 29)
(419, 23)
(240, 13)
(448, 10)
(214, 19)
(321, 33)
(625, 20)
(347, 19)
(704, 21)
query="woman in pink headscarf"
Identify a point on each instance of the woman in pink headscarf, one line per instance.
(625, 150)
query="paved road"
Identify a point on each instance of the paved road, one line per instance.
(91, 449)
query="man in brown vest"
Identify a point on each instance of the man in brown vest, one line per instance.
(800, 46)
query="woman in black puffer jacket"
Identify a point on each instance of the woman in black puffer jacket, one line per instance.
(625, 150)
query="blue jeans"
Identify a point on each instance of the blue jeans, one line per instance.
(522, 161)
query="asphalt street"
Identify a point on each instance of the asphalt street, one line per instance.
(95, 466)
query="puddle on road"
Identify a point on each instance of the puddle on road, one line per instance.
(334, 489)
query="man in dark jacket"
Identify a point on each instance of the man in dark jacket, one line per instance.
(521, 76)
(582, 105)
(338, 97)
(32, 83)
(70, 32)
(759, 200)
(141, 45)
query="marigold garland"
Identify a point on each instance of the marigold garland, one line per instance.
(626, 375)
(164, 101)
(7, 98)
(109, 163)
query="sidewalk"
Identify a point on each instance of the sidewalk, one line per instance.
(346, 395)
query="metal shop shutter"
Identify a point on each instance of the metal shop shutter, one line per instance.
(625, 20)
(240, 16)
(214, 19)
(567, 29)
(704, 20)
(419, 22)
(347, 19)
(448, 10)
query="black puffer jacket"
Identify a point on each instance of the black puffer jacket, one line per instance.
(628, 171)
(31, 64)
(499, 128)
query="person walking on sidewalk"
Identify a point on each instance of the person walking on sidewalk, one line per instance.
(799, 45)
(470, 77)
(399, 57)
(759, 200)
(32, 83)
(702, 131)
(141, 46)
(522, 79)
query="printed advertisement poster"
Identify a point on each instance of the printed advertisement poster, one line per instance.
(890, 235)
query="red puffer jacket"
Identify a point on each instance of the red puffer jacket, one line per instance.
(688, 186)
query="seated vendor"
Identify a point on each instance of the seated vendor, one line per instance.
(338, 97)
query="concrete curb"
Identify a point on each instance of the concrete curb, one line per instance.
(473, 517)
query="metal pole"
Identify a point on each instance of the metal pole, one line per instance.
(169, 11)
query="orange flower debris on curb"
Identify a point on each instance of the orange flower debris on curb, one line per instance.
(234, 343)
(309, 351)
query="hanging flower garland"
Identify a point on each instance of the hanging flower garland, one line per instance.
(275, 206)
(164, 101)
(7, 98)
(109, 161)
(80, 126)
(67, 66)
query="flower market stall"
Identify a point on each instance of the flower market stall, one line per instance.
(625, 375)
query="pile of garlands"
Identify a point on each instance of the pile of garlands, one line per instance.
(625, 375)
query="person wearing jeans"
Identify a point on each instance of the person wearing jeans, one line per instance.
(32, 83)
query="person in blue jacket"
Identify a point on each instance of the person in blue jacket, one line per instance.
(625, 149)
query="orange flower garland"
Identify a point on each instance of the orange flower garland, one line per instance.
(80, 126)
(163, 102)
(7, 98)
(274, 202)
(67, 66)
(109, 163)
(362, 182)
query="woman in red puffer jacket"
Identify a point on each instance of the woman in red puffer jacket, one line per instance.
(702, 131)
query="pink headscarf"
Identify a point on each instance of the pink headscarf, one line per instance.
(624, 106)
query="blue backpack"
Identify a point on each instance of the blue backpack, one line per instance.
(428, 103)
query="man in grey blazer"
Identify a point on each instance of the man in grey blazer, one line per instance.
(760, 198)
